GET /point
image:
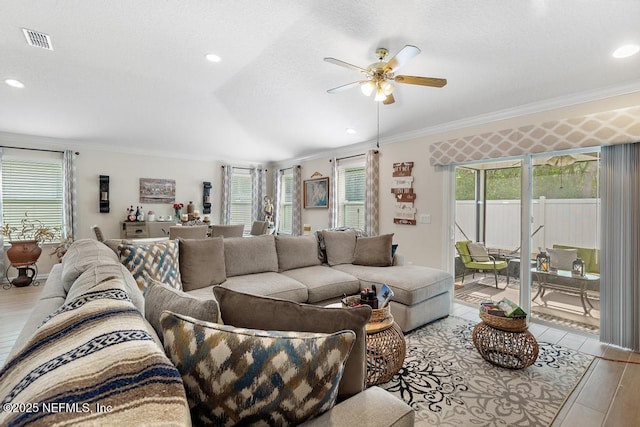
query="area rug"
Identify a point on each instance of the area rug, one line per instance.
(446, 381)
(555, 307)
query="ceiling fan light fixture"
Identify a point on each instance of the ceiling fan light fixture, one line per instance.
(387, 87)
(367, 88)
(380, 96)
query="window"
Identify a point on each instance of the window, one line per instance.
(351, 194)
(286, 202)
(33, 185)
(241, 198)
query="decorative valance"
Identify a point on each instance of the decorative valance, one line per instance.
(606, 128)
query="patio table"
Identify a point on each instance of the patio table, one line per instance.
(576, 286)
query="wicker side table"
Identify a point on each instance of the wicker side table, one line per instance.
(509, 349)
(386, 350)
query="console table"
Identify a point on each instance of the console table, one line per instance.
(576, 285)
(144, 229)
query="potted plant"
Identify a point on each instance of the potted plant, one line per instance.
(25, 240)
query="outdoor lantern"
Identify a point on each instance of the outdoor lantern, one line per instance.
(577, 268)
(542, 261)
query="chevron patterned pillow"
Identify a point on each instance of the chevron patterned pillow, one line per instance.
(236, 376)
(156, 261)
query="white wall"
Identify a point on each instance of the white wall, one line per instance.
(125, 171)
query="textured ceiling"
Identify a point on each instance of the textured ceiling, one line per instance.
(131, 75)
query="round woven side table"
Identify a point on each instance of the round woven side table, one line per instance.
(509, 349)
(386, 350)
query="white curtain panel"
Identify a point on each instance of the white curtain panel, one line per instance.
(70, 196)
(225, 207)
(620, 275)
(296, 201)
(1, 215)
(333, 194)
(372, 193)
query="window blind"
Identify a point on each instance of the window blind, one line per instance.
(351, 195)
(32, 187)
(241, 198)
(286, 205)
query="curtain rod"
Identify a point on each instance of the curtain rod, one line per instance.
(243, 168)
(36, 149)
(350, 157)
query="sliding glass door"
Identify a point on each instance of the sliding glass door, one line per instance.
(518, 208)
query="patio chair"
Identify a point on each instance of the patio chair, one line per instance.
(188, 231)
(475, 257)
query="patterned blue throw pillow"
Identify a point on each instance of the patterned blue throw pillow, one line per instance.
(236, 376)
(157, 261)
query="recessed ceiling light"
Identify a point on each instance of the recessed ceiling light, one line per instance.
(213, 58)
(14, 83)
(350, 131)
(626, 51)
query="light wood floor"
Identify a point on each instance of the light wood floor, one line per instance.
(607, 395)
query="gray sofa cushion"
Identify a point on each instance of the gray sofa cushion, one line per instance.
(340, 246)
(373, 251)
(411, 284)
(270, 284)
(248, 311)
(81, 255)
(161, 297)
(296, 252)
(324, 282)
(201, 263)
(248, 255)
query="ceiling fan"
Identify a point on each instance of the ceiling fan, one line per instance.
(378, 77)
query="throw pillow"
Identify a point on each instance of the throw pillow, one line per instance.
(340, 246)
(81, 255)
(156, 261)
(296, 252)
(562, 259)
(95, 350)
(161, 297)
(478, 252)
(201, 263)
(243, 255)
(254, 376)
(251, 311)
(374, 251)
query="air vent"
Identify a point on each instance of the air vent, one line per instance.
(38, 39)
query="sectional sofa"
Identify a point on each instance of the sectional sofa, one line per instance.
(91, 352)
(296, 269)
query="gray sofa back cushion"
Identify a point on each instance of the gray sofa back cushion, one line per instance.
(249, 255)
(201, 263)
(340, 246)
(250, 311)
(373, 251)
(83, 254)
(296, 252)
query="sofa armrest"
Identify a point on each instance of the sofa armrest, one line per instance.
(372, 407)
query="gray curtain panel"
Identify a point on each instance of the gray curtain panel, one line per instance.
(70, 196)
(620, 276)
(258, 191)
(372, 198)
(1, 215)
(296, 201)
(277, 186)
(225, 214)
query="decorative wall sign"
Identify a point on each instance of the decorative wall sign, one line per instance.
(402, 190)
(157, 190)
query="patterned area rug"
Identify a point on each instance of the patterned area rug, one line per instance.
(555, 307)
(448, 383)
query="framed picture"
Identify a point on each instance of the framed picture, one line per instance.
(154, 190)
(316, 193)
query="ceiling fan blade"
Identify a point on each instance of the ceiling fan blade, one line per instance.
(345, 87)
(401, 58)
(346, 65)
(422, 81)
(389, 99)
